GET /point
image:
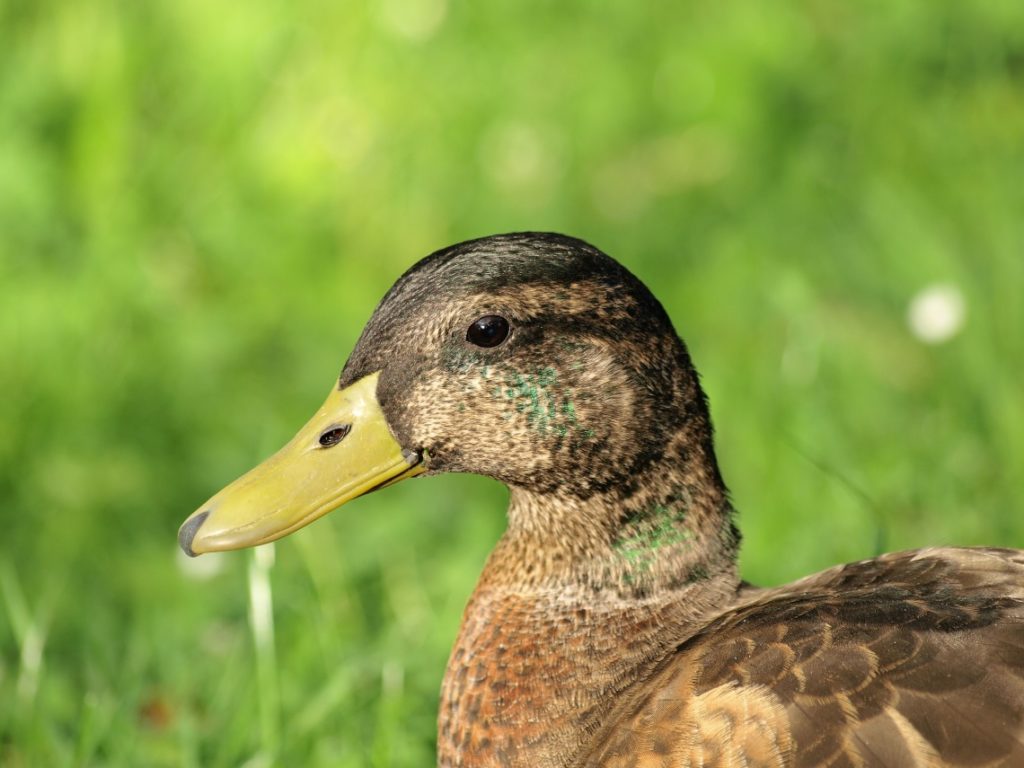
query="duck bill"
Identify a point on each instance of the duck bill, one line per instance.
(344, 451)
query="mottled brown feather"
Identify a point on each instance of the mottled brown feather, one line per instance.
(910, 659)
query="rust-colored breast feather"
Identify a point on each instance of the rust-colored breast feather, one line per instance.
(912, 659)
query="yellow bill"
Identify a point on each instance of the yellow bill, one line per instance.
(344, 451)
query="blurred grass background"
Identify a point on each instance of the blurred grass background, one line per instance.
(201, 203)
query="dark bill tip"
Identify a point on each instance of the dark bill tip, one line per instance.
(188, 532)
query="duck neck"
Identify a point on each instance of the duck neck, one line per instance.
(580, 599)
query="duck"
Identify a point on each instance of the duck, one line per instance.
(610, 626)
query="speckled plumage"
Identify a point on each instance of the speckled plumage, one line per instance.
(610, 627)
(914, 658)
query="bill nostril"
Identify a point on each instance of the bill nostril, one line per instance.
(188, 532)
(334, 435)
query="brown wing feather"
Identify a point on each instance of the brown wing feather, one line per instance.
(911, 659)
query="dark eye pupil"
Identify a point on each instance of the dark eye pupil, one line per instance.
(488, 331)
(334, 435)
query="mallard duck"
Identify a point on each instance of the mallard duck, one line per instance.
(610, 626)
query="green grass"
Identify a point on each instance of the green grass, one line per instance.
(201, 202)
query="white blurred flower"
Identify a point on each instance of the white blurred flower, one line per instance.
(937, 313)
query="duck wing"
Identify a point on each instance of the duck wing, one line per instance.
(910, 659)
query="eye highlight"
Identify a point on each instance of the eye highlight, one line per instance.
(488, 331)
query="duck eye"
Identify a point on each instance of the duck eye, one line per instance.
(488, 331)
(331, 437)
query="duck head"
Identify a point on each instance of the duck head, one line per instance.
(531, 358)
